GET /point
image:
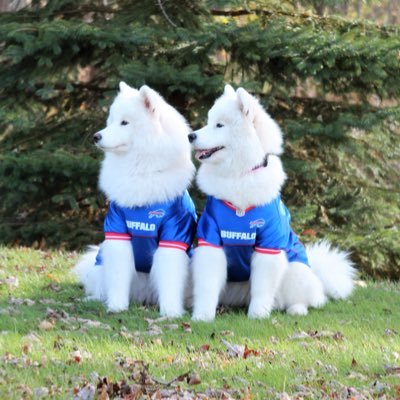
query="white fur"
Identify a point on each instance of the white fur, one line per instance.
(267, 271)
(169, 276)
(147, 160)
(239, 124)
(209, 269)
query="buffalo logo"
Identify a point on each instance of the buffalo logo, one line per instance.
(258, 223)
(156, 213)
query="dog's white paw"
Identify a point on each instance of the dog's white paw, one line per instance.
(117, 306)
(258, 310)
(171, 312)
(297, 309)
(203, 316)
(91, 297)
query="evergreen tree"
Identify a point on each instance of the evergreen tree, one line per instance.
(332, 84)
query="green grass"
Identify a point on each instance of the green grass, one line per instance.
(348, 348)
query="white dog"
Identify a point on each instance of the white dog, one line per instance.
(248, 254)
(151, 219)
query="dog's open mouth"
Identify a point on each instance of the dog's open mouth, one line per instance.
(207, 153)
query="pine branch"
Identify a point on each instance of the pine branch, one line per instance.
(328, 20)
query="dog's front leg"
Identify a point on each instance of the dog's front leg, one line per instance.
(209, 268)
(119, 270)
(267, 271)
(169, 274)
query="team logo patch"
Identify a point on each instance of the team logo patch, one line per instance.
(157, 213)
(258, 223)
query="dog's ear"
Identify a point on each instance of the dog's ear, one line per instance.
(247, 103)
(151, 99)
(123, 87)
(229, 91)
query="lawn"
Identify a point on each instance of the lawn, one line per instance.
(55, 345)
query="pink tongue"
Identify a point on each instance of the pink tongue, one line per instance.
(200, 153)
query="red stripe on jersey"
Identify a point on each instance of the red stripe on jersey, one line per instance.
(267, 251)
(117, 236)
(173, 245)
(202, 242)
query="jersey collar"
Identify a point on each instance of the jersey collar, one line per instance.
(239, 212)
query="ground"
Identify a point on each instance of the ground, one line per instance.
(55, 345)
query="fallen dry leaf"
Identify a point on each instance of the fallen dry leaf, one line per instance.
(317, 335)
(205, 347)
(17, 302)
(234, 350)
(11, 282)
(194, 379)
(53, 278)
(46, 325)
(392, 370)
(40, 392)
(249, 352)
(186, 327)
(86, 393)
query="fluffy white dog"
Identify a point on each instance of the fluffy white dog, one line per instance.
(151, 219)
(248, 254)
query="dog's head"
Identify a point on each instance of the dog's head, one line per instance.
(238, 129)
(136, 118)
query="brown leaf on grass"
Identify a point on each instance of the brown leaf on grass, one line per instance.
(240, 351)
(354, 363)
(11, 282)
(227, 333)
(392, 370)
(103, 395)
(194, 379)
(40, 392)
(250, 352)
(205, 347)
(17, 301)
(317, 335)
(234, 350)
(53, 278)
(390, 332)
(86, 393)
(26, 348)
(186, 327)
(154, 330)
(54, 287)
(46, 325)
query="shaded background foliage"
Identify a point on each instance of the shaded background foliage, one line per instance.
(332, 84)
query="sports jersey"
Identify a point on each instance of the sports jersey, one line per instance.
(264, 229)
(170, 224)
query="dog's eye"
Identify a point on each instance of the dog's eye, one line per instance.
(123, 123)
(219, 125)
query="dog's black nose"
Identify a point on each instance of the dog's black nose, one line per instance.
(192, 137)
(97, 137)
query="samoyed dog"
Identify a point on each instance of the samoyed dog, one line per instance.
(248, 255)
(151, 220)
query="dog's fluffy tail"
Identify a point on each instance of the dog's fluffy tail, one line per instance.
(333, 268)
(87, 274)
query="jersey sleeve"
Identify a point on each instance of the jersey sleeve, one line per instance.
(114, 224)
(207, 229)
(273, 237)
(178, 229)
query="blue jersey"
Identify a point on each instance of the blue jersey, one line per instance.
(264, 229)
(170, 224)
